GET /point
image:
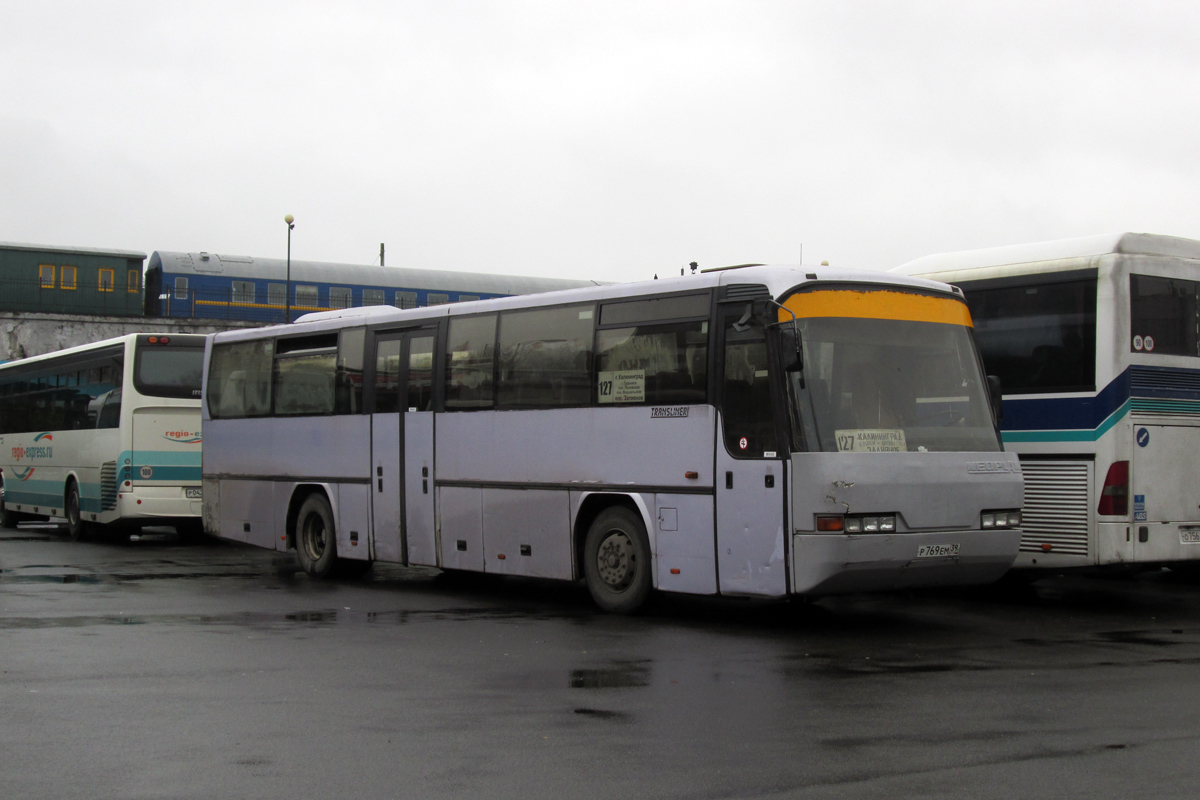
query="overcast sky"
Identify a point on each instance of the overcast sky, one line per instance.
(608, 140)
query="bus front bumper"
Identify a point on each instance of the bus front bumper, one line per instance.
(830, 563)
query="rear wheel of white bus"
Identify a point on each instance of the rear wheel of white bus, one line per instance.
(616, 561)
(316, 542)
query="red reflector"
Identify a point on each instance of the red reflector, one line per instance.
(829, 523)
(139, 502)
(283, 538)
(674, 571)
(165, 340)
(501, 556)
(691, 475)
(1114, 497)
(1047, 547)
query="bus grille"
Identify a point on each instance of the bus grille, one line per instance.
(108, 485)
(1182, 410)
(1057, 505)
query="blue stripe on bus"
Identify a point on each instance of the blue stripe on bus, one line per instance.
(1086, 419)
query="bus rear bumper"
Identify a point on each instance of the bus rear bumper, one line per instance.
(840, 563)
(158, 502)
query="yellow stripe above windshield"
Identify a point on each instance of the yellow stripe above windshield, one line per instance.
(876, 304)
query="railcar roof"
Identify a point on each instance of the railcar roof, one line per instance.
(233, 266)
(54, 248)
(1084, 247)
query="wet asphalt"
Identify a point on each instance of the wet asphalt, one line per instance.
(157, 669)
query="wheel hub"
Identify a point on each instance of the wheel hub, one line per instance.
(615, 560)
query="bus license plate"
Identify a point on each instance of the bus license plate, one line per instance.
(1189, 535)
(193, 494)
(937, 550)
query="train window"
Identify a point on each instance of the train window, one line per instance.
(106, 280)
(276, 294)
(466, 298)
(46, 275)
(406, 299)
(243, 291)
(68, 277)
(134, 280)
(437, 299)
(373, 297)
(181, 288)
(340, 297)
(306, 296)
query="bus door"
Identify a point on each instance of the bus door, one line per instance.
(751, 481)
(402, 448)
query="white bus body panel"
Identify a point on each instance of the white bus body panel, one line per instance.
(1165, 492)
(420, 526)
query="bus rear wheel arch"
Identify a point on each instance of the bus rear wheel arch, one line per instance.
(616, 560)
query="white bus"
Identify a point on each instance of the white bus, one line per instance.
(1096, 343)
(105, 434)
(758, 431)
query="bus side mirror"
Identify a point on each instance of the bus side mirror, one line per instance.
(997, 398)
(790, 350)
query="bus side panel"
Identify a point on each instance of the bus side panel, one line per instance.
(627, 446)
(246, 512)
(460, 520)
(527, 532)
(320, 450)
(684, 544)
(353, 505)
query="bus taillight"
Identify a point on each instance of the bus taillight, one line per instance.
(1114, 497)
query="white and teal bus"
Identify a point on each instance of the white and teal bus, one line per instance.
(760, 431)
(1096, 342)
(106, 434)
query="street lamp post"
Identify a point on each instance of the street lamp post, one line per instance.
(291, 223)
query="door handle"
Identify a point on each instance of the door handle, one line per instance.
(728, 480)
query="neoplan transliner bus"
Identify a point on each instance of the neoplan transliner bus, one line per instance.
(760, 431)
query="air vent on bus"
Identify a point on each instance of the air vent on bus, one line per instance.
(1164, 382)
(746, 291)
(1056, 507)
(108, 485)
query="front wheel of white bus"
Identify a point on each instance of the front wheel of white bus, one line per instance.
(616, 561)
(316, 545)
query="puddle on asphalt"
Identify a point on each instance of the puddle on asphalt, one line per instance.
(621, 676)
(597, 713)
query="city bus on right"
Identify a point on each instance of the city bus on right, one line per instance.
(1096, 342)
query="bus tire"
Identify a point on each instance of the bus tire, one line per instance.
(616, 561)
(77, 528)
(316, 537)
(9, 519)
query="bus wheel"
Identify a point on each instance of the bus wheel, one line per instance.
(617, 561)
(76, 527)
(316, 547)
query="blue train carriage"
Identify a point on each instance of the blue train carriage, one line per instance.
(73, 280)
(216, 286)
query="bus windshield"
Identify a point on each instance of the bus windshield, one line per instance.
(885, 385)
(169, 371)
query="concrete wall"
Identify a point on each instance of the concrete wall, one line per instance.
(23, 335)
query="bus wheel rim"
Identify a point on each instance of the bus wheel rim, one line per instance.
(615, 560)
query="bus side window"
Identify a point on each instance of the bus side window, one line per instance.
(351, 354)
(110, 412)
(470, 359)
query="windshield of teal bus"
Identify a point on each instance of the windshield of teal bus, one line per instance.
(882, 385)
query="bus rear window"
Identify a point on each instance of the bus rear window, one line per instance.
(169, 371)
(1163, 316)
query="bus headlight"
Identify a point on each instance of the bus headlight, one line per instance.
(872, 524)
(1000, 519)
